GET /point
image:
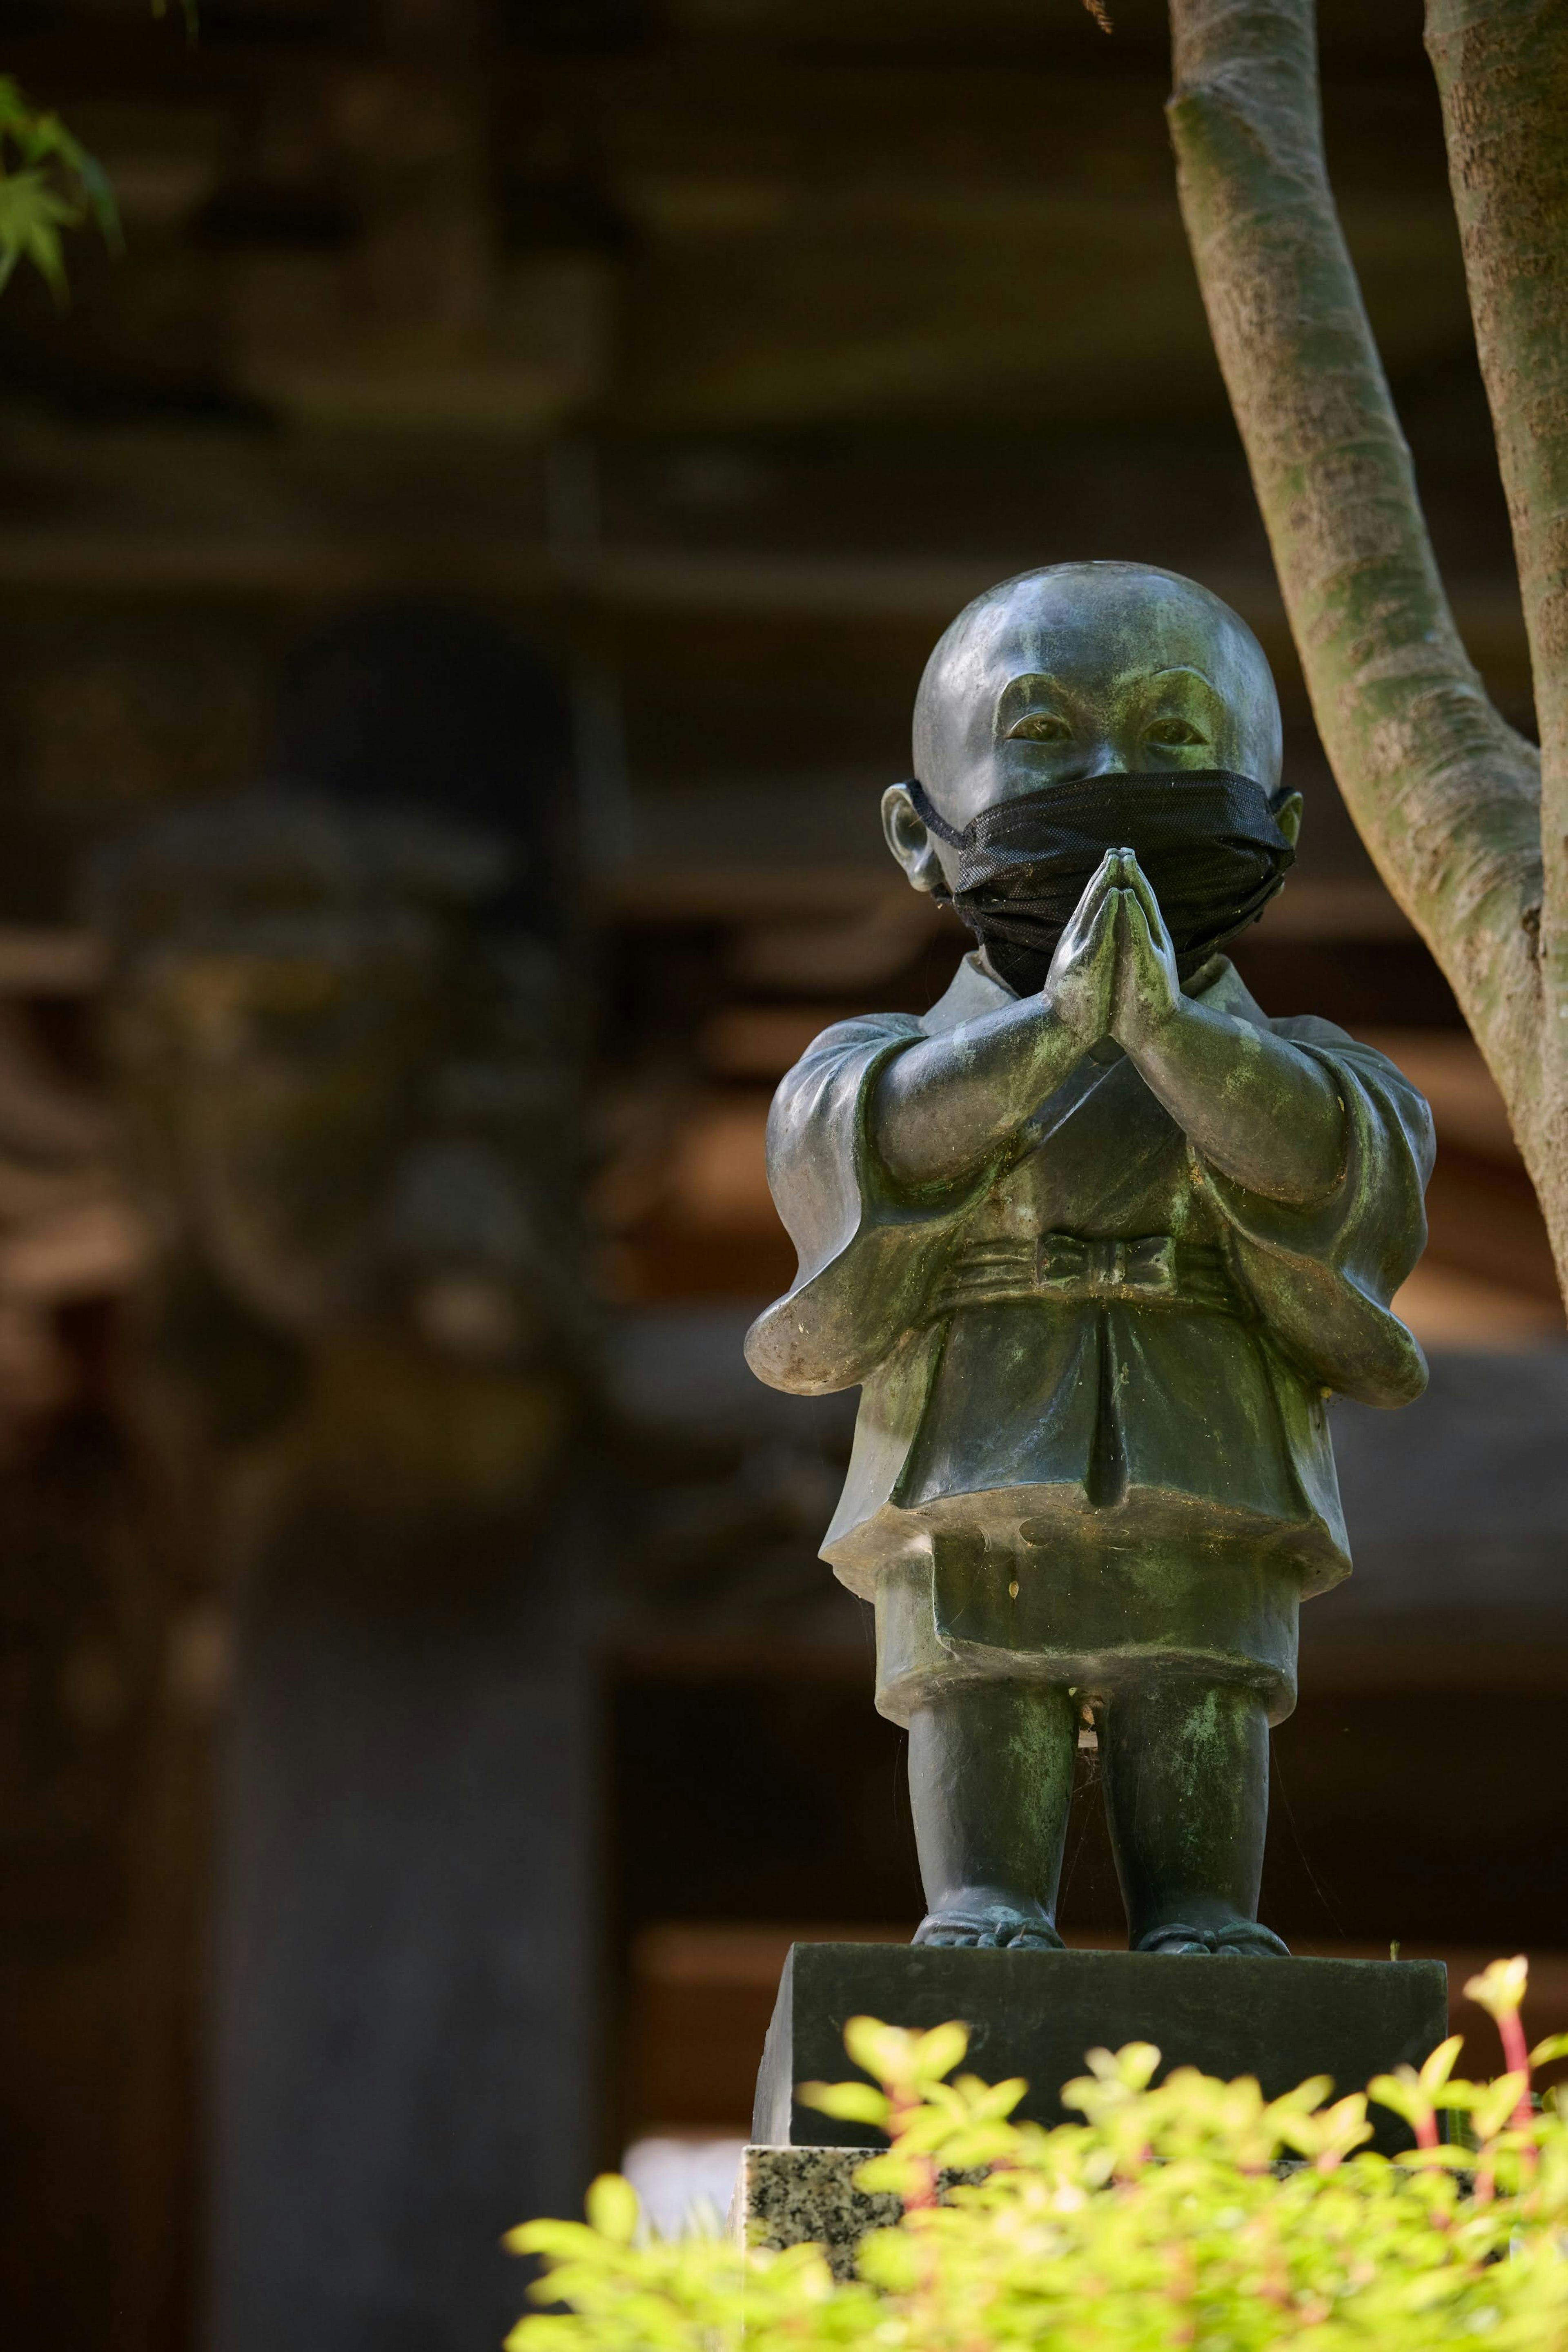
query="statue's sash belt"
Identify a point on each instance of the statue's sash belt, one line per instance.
(1154, 1270)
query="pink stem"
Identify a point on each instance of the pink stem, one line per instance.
(1516, 2061)
(907, 2103)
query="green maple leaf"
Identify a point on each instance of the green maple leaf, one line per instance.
(48, 183)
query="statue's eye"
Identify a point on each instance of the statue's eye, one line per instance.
(1171, 733)
(1041, 727)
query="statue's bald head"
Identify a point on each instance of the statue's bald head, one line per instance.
(1086, 670)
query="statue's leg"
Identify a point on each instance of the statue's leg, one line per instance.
(1187, 1797)
(990, 1781)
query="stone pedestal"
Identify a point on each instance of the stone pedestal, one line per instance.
(1036, 2014)
(799, 2196)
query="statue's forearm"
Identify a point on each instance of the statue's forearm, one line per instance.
(942, 1109)
(1263, 1112)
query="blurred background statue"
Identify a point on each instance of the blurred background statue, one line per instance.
(345, 1036)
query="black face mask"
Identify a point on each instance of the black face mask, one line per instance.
(1208, 842)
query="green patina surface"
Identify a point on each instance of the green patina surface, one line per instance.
(1098, 1253)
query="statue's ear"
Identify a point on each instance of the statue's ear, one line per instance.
(1287, 816)
(910, 841)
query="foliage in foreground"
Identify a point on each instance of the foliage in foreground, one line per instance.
(48, 183)
(1161, 2219)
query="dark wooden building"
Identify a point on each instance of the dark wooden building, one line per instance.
(724, 348)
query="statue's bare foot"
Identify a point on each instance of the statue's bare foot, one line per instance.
(1243, 1939)
(990, 1926)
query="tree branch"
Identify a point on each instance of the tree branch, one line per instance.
(1503, 76)
(1443, 792)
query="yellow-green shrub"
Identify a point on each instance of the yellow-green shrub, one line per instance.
(1193, 2214)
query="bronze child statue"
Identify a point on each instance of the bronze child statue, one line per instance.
(1099, 1240)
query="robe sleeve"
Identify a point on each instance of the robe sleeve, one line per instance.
(867, 1251)
(1324, 1277)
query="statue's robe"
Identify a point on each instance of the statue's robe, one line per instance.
(1092, 1441)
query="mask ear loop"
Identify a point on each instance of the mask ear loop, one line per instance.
(932, 818)
(935, 821)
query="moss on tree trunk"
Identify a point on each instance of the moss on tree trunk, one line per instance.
(1468, 824)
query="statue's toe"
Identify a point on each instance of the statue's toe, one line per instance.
(953, 1928)
(987, 1930)
(1248, 1939)
(1030, 1936)
(1177, 1940)
(1239, 1940)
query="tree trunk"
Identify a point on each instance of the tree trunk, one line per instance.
(1446, 795)
(1503, 76)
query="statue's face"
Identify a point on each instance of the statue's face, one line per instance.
(1088, 670)
(350, 1089)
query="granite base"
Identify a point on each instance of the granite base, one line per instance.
(795, 2196)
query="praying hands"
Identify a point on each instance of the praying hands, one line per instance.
(1266, 1112)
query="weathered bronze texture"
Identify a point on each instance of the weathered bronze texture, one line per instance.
(1099, 1256)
